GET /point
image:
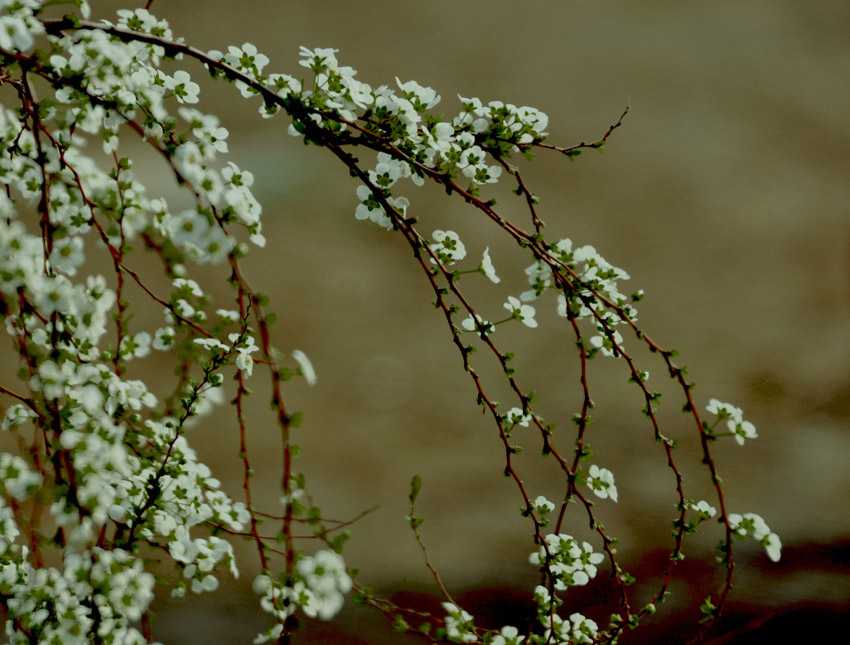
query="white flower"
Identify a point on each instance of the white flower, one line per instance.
(557, 629)
(742, 430)
(52, 292)
(459, 624)
(589, 559)
(207, 583)
(16, 478)
(283, 84)
(327, 581)
(584, 630)
(516, 416)
(234, 176)
(16, 415)
(524, 313)
(51, 379)
(472, 324)
(273, 634)
(184, 88)
(206, 127)
(487, 267)
(67, 255)
(447, 247)
(534, 118)
(211, 343)
(508, 636)
(773, 546)
(601, 482)
(227, 315)
(323, 568)
(319, 58)
(542, 599)
(704, 509)
(136, 346)
(305, 366)
(423, 98)
(748, 523)
(17, 33)
(724, 410)
(604, 343)
(247, 58)
(543, 505)
(244, 348)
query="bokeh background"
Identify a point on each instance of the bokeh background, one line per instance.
(724, 195)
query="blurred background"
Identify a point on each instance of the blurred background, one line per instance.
(724, 195)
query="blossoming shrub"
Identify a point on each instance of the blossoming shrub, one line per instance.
(105, 483)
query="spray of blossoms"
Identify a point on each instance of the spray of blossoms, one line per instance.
(106, 482)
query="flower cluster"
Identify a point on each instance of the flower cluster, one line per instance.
(573, 630)
(456, 147)
(588, 277)
(121, 464)
(16, 478)
(753, 526)
(460, 626)
(199, 557)
(327, 582)
(577, 629)
(18, 25)
(318, 589)
(447, 247)
(569, 563)
(734, 416)
(97, 591)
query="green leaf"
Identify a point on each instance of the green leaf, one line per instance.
(415, 522)
(415, 487)
(338, 542)
(709, 610)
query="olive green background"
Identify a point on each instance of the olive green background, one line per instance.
(724, 195)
